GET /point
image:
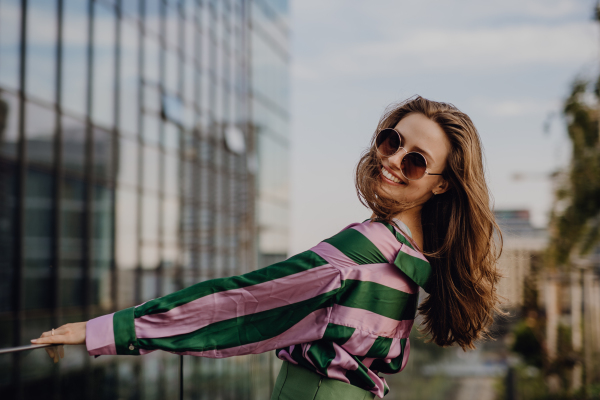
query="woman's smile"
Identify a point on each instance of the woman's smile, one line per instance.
(391, 178)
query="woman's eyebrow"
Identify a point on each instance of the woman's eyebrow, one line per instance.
(417, 148)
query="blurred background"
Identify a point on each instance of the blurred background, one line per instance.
(146, 145)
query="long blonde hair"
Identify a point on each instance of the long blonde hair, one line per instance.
(459, 228)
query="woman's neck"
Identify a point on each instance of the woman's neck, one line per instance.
(412, 219)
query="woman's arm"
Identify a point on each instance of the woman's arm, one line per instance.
(283, 304)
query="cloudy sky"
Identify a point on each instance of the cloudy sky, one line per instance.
(507, 64)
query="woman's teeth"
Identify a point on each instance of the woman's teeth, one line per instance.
(390, 176)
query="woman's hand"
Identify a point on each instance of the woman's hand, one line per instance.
(66, 334)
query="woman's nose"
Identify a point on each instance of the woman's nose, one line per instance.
(395, 161)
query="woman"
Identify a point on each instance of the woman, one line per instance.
(341, 313)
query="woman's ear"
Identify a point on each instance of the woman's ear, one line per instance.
(441, 187)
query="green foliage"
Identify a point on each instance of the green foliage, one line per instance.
(576, 217)
(527, 345)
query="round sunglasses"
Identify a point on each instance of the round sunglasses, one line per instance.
(413, 165)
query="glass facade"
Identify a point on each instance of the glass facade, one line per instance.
(270, 122)
(143, 148)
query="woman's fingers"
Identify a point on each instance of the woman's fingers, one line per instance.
(49, 350)
(66, 334)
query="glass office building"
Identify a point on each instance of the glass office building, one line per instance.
(143, 148)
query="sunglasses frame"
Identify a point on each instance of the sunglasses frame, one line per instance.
(401, 159)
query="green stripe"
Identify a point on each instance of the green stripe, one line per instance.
(360, 377)
(124, 331)
(241, 330)
(299, 358)
(418, 270)
(392, 367)
(298, 263)
(321, 353)
(357, 247)
(400, 237)
(338, 333)
(380, 348)
(378, 298)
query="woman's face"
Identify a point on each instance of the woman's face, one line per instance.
(422, 135)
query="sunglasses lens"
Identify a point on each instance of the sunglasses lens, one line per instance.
(387, 142)
(413, 165)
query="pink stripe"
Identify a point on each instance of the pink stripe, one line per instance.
(368, 361)
(222, 306)
(341, 363)
(305, 348)
(285, 356)
(406, 354)
(379, 388)
(385, 274)
(100, 336)
(311, 328)
(359, 343)
(395, 350)
(370, 322)
(381, 237)
(407, 250)
(350, 226)
(332, 255)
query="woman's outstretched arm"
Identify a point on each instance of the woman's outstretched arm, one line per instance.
(285, 303)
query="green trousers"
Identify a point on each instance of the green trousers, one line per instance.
(298, 383)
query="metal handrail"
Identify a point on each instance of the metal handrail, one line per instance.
(17, 349)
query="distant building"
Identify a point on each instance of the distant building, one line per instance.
(144, 146)
(522, 244)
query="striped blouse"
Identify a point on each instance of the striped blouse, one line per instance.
(343, 309)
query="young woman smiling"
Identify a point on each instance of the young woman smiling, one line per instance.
(340, 314)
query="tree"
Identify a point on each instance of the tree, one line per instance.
(576, 215)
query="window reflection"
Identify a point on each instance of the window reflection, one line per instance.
(171, 174)
(171, 140)
(127, 163)
(39, 134)
(190, 38)
(130, 8)
(151, 59)
(151, 168)
(41, 49)
(151, 129)
(37, 254)
(71, 242)
(103, 154)
(129, 91)
(10, 41)
(150, 216)
(171, 220)
(102, 244)
(172, 71)
(172, 24)
(9, 122)
(126, 239)
(73, 145)
(152, 14)
(104, 65)
(74, 55)
(8, 196)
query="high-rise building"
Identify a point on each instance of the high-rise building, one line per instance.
(143, 148)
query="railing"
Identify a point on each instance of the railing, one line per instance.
(18, 349)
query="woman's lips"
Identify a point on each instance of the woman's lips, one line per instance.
(390, 178)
